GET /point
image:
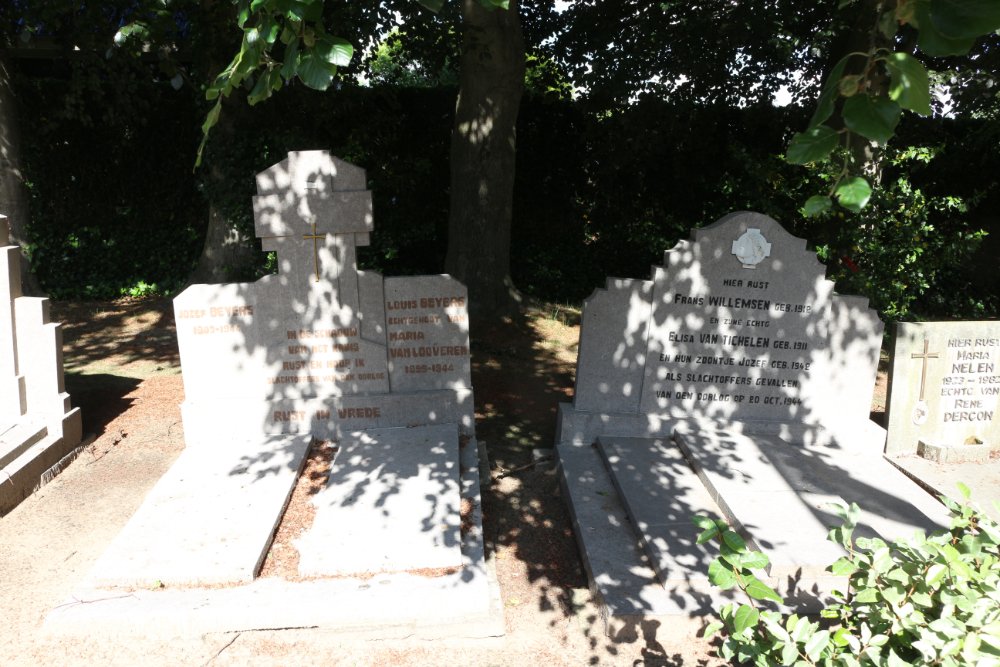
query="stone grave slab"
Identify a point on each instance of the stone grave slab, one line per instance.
(39, 428)
(651, 478)
(395, 491)
(621, 575)
(463, 603)
(944, 389)
(739, 351)
(756, 478)
(209, 520)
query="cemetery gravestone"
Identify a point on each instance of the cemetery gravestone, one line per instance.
(321, 347)
(943, 391)
(38, 426)
(734, 382)
(320, 350)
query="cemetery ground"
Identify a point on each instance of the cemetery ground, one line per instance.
(122, 369)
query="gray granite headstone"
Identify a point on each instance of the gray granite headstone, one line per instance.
(737, 325)
(321, 347)
(944, 389)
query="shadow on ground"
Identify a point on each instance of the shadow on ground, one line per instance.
(521, 371)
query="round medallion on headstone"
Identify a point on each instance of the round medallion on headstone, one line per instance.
(751, 248)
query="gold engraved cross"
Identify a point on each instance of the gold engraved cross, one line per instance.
(315, 239)
(923, 371)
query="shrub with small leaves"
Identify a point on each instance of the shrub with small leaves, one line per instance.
(927, 600)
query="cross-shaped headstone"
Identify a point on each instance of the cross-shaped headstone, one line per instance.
(314, 211)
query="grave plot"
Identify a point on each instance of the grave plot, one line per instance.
(319, 351)
(943, 421)
(38, 426)
(734, 382)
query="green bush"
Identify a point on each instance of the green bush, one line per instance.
(927, 600)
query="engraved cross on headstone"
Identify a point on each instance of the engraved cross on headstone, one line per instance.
(314, 211)
(925, 355)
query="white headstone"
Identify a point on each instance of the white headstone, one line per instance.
(321, 347)
(38, 426)
(944, 389)
(737, 325)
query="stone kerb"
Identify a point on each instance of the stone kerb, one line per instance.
(944, 388)
(739, 325)
(38, 425)
(321, 347)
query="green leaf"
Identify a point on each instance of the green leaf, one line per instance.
(935, 574)
(733, 540)
(291, 65)
(433, 5)
(909, 85)
(703, 522)
(212, 117)
(854, 193)
(962, 19)
(872, 117)
(495, 4)
(843, 567)
(964, 490)
(712, 628)
(828, 96)
(866, 595)
(789, 652)
(706, 535)
(812, 145)
(315, 72)
(758, 590)
(931, 40)
(816, 644)
(888, 25)
(334, 50)
(720, 575)
(755, 560)
(817, 205)
(745, 617)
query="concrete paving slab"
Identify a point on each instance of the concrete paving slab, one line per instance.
(941, 479)
(209, 520)
(462, 604)
(392, 504)
(660, 494)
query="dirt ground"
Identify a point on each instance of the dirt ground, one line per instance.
(123, 371)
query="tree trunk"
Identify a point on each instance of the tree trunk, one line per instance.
(13, 193)
(228, 253)
(483, 149)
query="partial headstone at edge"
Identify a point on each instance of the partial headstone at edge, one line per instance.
(944, 390)
(38, 425)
